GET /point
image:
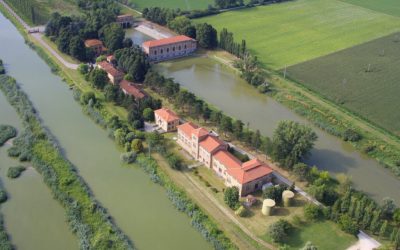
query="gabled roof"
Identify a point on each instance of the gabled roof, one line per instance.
(93, 42)
(166, 114)
(165, 41)
(227, 159)
(250, 171)
(131, 89)
(200, 132)
(187, 128)
(211, 143)
(109, 68)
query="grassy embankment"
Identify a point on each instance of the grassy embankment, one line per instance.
(390, 7)
(289, 45)
(200, 220)
(172, 4)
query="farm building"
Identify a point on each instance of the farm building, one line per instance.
(166, 119)
(96, 45)
(126, 21)
(129, 88)
(114, 75)
(207, 148)
(169, 48)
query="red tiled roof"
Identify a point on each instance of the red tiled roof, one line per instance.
(200, 132)
(166, 114)
(110, 58)
(165, 41)
(93, 42)
(131, 89)
(227, 159)
(250, 171)
(187, 128)
(211, 143)
(109, 68)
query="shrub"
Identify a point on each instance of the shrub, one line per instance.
(231, 197)
(312, 212)
(87, 96)
(6, 132)
(348, 225)
(15, 172)
(128, 158)
(13, 152)
(137, 145)
(280, 230)
(241, 211)
(351, 135)
(174, 162)
(3, 195)
(274, 193)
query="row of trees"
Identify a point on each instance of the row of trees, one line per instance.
(30, 10)
(133, 61)
(223, 4)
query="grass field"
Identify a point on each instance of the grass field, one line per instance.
(297, 31)
(391, 7)
(173, 4)
(343, 77)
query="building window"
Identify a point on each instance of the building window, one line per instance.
(167, 50)
(185, 46)
(179, 48)
(155, 52)
(161, 51)
(173, 48)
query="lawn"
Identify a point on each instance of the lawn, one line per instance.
(325, 235)
(173, 4)
(343, 77)
(292, 32)
(391, 7)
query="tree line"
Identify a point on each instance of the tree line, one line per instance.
(31, 10)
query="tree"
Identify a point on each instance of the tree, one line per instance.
(87, 96)
(302, 171)
(309, 246)
(77, 48)
(274, 193)
(137, 146)
(127, 42)
(148, 114)
(206, 35)
(83, 68)
(348, 225)
(292, 142)
(312, 212)
(388, 207)
(226, 124)
(396, 216)
(231, 197)
(182, 25)
(98, 78)
(112, 93)
(113, 36)
(237, 128)
(280, 230)
(383, 229)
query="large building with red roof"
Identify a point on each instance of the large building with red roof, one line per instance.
(96, 45)
(129, 88)
(166, 119)
(114, 75)
(207, 148)
(169, 48)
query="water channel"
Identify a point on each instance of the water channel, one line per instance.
(221, 87)
(139, 207)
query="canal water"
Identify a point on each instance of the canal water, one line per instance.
(33, 219)
(137, 37)
(139, 207)
(224, 89)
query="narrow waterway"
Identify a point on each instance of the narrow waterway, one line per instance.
(33, 219)
(139, 207)
(220, 86)
(137, 37)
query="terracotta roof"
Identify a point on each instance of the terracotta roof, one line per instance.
(227, 159)
(200, 132)
(187, 128)
(250, 171)
(93, 42)
(131, 89)
(211, 143)
(165, 41)
(109, 68)
(166, 114)
(110, 58)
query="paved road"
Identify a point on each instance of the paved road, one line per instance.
(39, 37)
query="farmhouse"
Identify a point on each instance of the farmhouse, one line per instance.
(166, 119)
(126, 21)
(169, 48)
(114, 75)
(96, 45)
(207, 148)
(129, 88)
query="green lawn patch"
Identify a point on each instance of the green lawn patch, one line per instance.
(292, 32)
(344, 78)
(391, 7)
(325, 235)
(172, 4)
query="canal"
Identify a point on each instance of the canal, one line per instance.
(224, 89)
(139, 207)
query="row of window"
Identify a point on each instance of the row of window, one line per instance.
(173, 49)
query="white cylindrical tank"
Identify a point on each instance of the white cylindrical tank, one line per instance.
(287, 197)
(267, 207)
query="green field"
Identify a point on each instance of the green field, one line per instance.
(391, 7)
(297, 31)
(343, 78)
(173, 4)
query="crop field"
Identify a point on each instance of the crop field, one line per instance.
(173, 4)
(292, 32)
(364, 79)
(391, 7)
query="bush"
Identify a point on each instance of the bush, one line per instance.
(2, 70)
(242, 211)
(280, 230)
(87, 96)
(3, 196)
(15, 172)
(6, 132)
(274, 193)
(128, 158)
(137, 145)
(312, 212)
(174, 162)
(348, 225)
(231, 197)
(351, 135)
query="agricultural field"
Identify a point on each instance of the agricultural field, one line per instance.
(292, 32)
(173, 4)
(364, 79)
(391, 7)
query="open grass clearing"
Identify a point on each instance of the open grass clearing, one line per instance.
(343, 77)
(391, 7)
(172, 4)
(292, 32)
